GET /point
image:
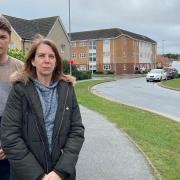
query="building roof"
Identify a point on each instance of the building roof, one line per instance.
(26, 29)
(107, 33)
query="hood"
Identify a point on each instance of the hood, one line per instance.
(23, 77)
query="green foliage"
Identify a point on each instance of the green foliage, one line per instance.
(104, 72)
(172, 56)
(66, 68)
(98, 72)
(16, 53)
(109, 72)
(80, 75)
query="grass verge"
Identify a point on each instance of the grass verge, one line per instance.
(174, 83)
(156, 135)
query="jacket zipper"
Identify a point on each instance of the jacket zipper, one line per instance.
(61, 118)
(47, 169)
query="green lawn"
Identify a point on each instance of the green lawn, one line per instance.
(174, 83)
(157, 136)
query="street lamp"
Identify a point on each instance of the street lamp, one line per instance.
(163, 47)
(92, 63)
(70, 52)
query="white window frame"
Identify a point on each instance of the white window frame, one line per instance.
(106, 67)
(11, 45)
(82, 55)
(73, 44)
(107, 54)
(92, 57)
(124, 54)
(82, 43)
(73, 55)
(124, 67)
(62, 48)
(92, 44)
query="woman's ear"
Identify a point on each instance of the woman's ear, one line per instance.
(32, 62)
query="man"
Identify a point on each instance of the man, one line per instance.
(8, 65)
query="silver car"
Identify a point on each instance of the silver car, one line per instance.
(156, 75)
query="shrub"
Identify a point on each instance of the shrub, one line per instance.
(108, 72)
(98, 72)
(16, 53)
(80, 75)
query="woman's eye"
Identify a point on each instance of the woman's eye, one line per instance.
(41, 55)
(51, 56)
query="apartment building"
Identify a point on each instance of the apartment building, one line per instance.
(113, 50)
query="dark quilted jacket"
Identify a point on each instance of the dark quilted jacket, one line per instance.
(24, 138)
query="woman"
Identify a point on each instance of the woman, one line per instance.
(42, 130)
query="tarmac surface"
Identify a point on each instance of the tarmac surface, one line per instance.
(108, 153)
(145, 95)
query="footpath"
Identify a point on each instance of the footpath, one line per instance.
(108, 154)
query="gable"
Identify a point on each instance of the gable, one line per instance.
(26, 29)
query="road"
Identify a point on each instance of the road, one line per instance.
(138, 92)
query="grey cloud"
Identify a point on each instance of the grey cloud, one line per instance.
(157, 19)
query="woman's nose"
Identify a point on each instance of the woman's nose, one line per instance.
(47, 59)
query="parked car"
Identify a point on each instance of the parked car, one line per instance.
(156, 75)
(176, 65)
(171, 73)
(175, 73)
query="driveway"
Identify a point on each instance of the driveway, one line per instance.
(138, 92)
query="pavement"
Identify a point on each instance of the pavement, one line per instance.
(108, 153)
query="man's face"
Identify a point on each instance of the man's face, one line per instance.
(4, 41)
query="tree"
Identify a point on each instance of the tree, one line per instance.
(172, 56)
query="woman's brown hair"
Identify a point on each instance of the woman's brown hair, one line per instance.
(31, 70)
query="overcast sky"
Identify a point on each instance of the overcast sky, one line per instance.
(157, 19)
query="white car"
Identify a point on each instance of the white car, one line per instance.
(156, 75)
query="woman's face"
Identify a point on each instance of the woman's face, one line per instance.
(44, 61)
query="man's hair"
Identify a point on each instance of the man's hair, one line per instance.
(5, 24)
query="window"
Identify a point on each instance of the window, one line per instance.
(124, 54)
(106, 41)
(82, 55)
(82, 43)
(125, 67)
(92, 44)
(73, 44)
(73, 55)
(62, 48)
(90, 67)
(92, 57)
(107, 67)
(106, 54)
(11, 45)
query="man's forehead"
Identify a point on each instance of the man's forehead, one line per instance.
(3, 32)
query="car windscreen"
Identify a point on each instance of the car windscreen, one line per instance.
(156, 71)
